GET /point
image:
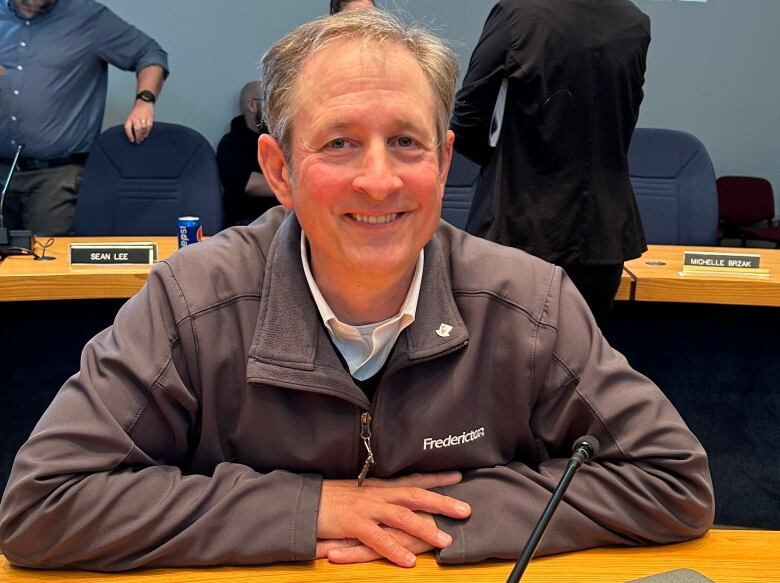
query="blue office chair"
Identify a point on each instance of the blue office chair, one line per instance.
(459, 190)
(141, 189)
(674, 183)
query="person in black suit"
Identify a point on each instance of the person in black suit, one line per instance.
(556, 183)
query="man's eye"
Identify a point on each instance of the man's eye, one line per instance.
(338, 144)
(405, 142)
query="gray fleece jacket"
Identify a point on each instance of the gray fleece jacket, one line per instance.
(202, 423)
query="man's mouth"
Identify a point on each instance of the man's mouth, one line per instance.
(374, 219)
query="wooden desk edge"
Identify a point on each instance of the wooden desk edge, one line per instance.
(727, 556)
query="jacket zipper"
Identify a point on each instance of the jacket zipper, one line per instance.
(460, 346)
(365, 417)
(365, 435)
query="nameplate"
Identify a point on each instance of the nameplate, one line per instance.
(720, 261)
(144, 253)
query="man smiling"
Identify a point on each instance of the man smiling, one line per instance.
(352, 379)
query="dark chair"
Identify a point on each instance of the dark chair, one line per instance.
(747, 207)
(459, 190)
(141, 189)
(674, 183)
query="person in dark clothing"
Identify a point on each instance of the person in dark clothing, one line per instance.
(554, 179)
(339, 5)
(247, 195)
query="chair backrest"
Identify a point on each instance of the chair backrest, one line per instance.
(141, 189)
(745, 200)
(674, 183)
(459, 190)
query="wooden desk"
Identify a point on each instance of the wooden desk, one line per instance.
(24, 279)
(626, 289)
(662, 283)
(725, 556)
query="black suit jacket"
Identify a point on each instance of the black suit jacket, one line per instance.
(557, 184)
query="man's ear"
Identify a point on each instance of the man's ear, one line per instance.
(275, 170)
(446, 155)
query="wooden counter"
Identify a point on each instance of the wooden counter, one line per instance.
(22, 278)
(657, 279)
(725, 556)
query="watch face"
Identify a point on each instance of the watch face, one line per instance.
(147, 96)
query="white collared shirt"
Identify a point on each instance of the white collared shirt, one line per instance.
(365, 348)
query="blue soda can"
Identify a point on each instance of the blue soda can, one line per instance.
(190, 231)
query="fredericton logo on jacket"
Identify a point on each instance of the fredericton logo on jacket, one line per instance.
(450, 440)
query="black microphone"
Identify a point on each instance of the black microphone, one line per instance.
(584, 450)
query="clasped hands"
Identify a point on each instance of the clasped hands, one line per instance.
(385, 518)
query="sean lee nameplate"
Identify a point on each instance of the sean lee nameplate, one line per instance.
(142, 253)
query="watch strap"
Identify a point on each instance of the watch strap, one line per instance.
(147, 96)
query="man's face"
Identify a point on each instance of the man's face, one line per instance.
(32, 8)
(367, 181)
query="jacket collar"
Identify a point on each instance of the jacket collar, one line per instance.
(291, 347)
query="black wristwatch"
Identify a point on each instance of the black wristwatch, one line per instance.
(146, 96)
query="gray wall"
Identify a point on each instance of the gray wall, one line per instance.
(713, 67)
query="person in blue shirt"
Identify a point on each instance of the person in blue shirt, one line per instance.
(52, 98)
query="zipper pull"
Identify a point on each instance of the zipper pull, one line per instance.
(365, 435)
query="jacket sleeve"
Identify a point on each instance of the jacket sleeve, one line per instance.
(97, 485)
(476, 99)
(649, 484)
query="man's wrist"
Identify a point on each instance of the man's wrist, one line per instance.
(146, 96)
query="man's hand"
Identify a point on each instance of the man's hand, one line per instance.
(139, 122)
(385, 518)
(351, 551)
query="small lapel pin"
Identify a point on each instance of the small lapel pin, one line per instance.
(444, 330)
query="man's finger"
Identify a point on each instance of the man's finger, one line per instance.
(362, 553)
(384, 544)
(427, 501)
(129, 130)
(357, 554)
(326, 546)
(139, 133)
(420, 527)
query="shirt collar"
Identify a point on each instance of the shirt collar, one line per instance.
(409, 307)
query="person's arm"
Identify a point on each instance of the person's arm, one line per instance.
(476, 99)
(96, 485)
(257, 186)
(129, 49)
(649, 484)
(141, 118)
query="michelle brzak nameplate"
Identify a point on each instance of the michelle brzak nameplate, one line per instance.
(118, 254)
(723, 264)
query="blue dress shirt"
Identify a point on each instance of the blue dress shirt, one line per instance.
(53, 94)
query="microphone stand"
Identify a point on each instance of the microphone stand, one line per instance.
(585, 449)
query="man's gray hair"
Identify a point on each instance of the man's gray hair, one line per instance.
(282, 65)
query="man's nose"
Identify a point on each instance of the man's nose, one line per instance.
(377, 176)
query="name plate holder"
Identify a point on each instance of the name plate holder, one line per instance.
(722, 264)
(113, 254)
